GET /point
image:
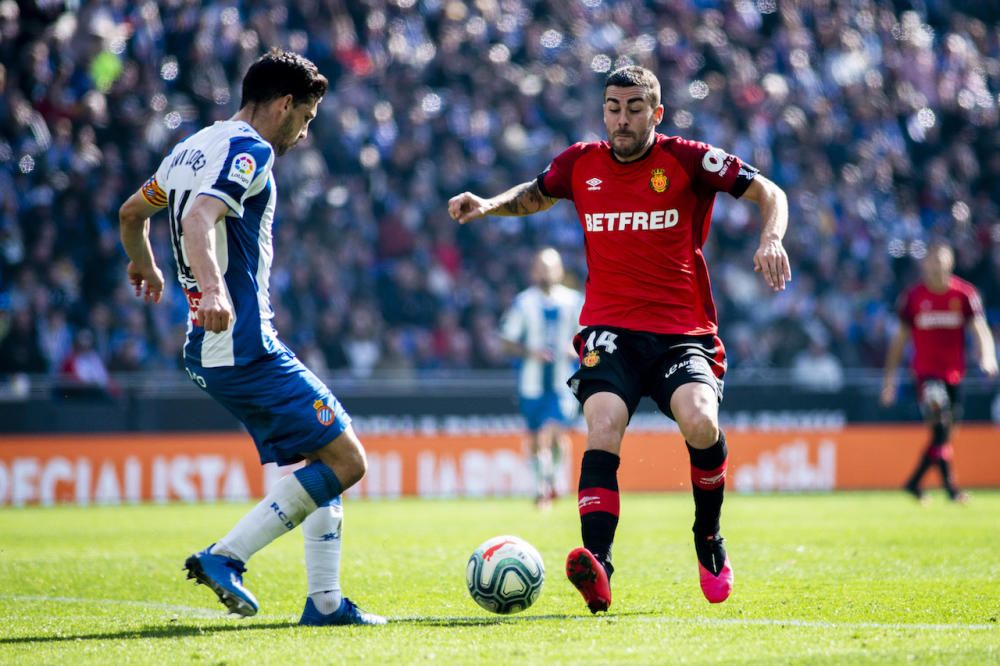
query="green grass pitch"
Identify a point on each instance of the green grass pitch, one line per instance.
(865, 578)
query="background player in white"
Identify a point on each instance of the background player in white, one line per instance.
(220, 197)
(537, 328)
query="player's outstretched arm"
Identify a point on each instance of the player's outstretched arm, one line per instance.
(143, 274)
(892, 359)
(987, 348)
(523, 199)
(214, 309)
(770, 259)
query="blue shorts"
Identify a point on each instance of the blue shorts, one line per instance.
(544, 409)
(288, 411)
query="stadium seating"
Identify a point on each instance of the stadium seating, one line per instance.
(880, 122)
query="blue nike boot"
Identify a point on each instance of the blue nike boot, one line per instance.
(348, 613)
(225, 576)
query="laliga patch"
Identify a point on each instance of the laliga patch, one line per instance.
(324, 413)
(242, 169)
(591, 359)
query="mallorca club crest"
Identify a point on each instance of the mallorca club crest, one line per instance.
(659, 181)
(591, 358)
(324, 413)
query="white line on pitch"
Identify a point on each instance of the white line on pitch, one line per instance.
(820, 624)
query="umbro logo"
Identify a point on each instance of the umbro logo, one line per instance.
(710, 480)
(594, 184)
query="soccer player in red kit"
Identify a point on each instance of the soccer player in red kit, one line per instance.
(935, 313)
(645, 203)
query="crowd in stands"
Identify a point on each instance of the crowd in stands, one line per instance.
(881, 120)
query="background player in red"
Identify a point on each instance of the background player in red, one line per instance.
(645, 203)
(935, 313)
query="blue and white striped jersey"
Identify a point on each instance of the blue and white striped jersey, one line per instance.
(537, 321)
(230, 161)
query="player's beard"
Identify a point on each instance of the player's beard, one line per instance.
(631, 149)
(286, 137)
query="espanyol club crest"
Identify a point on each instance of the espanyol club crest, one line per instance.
(659, 181)
(324, 413)
(591, 359)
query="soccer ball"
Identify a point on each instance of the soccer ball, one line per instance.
(505, 575)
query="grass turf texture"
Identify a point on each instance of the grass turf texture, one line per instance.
(845, 578)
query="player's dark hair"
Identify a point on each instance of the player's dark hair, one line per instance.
(278, 73)
(633, 75)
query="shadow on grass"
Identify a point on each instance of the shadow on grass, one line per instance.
(164, 631)
(476, 621)
(175, 630)
(504, 619)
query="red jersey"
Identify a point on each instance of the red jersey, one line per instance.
(644, 224)
(937, 322)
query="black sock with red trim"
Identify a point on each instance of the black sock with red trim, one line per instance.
(598, 502)
(708, 484)
(933, 453)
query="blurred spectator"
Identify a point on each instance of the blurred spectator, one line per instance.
(880, 120)
(816, 369)
(20, 351)
(83, 373)
(397, 360)
(361, 344)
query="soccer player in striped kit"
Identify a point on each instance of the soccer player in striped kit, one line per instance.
(220, 196)
(936, 313)
(644, 201)
(538, 328)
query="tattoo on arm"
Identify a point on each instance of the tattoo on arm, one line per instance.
(524, 199)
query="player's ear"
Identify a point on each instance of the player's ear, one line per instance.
(658, 114)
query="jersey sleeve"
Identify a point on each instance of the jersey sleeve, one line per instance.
(152, 191)
(973, 305)
(713, 169)
(236, 170)
(512, 324)
(556, 180)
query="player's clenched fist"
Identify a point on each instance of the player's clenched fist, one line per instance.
(466, 207)
(214, 312)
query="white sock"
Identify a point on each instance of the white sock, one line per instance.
(548, 469)
(322, 531)
(285, 506)
(538, 471)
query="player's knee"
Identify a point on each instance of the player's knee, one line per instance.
(700, 430)
(346, 457)
(604, 435)
(604, 432)
(354, 465)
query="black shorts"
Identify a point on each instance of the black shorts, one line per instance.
(633, 364)
(932, 392)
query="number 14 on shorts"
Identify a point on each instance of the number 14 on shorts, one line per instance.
(604, 339)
